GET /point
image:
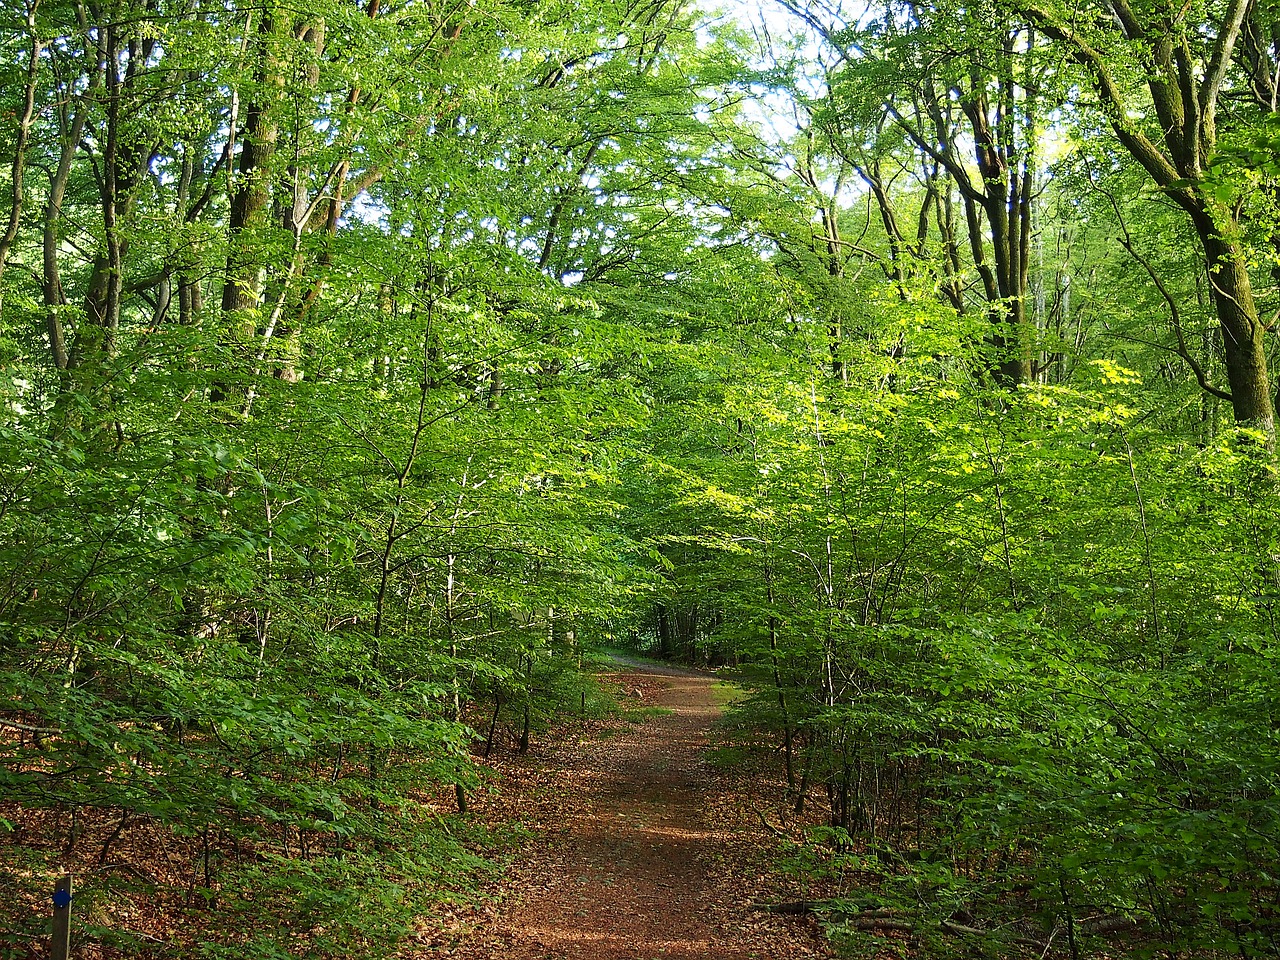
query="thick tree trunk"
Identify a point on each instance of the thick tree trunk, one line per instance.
(242, 289)
(665, 645)
(1243, 332)
(1185, 96)
(70, 136)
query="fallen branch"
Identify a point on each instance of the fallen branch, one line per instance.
(776, 831)
(961, 930)
(792, 907)
(796, 907)
(44, 731)
(878, 923)
(1102, 926)
(136, 872)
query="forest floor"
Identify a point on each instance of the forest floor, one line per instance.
(641, 847)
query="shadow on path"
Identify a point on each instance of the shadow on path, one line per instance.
(630, 865)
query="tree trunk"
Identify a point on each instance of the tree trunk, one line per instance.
(788, 737)
(241, 291)
(1243, 332)
(17, 168)
(665, 646)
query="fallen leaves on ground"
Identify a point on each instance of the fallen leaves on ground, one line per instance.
(640, 847)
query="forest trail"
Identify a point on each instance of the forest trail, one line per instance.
(643, 850)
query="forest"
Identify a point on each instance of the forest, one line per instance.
(369, 366)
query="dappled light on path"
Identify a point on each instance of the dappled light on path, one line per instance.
(630, 862)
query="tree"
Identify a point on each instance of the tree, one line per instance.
(936, 93)
(1163, 78)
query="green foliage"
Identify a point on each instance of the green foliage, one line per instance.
(317, 375)
(363, 368)
(1012, 682)
(356, 904)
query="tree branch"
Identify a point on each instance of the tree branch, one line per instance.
(1216, 69)
(1143, 150)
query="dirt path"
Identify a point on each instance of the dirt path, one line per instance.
(643, 850)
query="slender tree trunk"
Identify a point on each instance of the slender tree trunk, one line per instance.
(493, 723)
(802, 791)
(787, 730)
(72, 124)
(527, 719)
(17, 170)
(665, 645)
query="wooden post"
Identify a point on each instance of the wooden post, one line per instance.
(62, 895)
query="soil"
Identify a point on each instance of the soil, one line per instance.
(642, 848)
